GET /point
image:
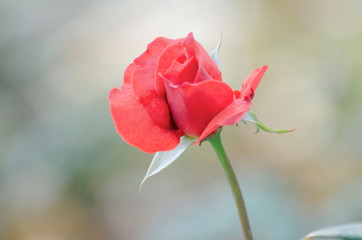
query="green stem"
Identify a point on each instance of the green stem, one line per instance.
(233, 182)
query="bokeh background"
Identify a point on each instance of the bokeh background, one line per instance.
(65, 174)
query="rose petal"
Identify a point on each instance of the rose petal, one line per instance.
(239, 107)
(135, 126)
(158, 110)
(251, 83)
(195, 49)
(202, 75)
(144, 75)
(228, 116)
(145, 93)
(143, 82)
(127, 76)
(175, 51)
(194, 105)
(154, 50)
(179, 73)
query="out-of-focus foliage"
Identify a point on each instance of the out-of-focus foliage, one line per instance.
(66, 174)
(351, 231)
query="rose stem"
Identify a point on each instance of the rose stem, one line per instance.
(233, 182)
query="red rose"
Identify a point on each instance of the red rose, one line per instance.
(175, 88)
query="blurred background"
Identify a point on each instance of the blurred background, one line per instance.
(65, 174)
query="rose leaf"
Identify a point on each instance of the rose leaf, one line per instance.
(251, 117)
(351, 231)
(162, 159)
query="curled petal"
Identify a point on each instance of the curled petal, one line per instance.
(195, 49)
(202, 75)
(194, 105)
(179, 73)
(143, 82)
(158, 110)
(251, 83)
(171, 53)
(154, 50)
(134, 125)
(144, 73)
(144, 90)
(228, 116)
(239, 107)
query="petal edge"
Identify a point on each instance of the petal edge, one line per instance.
(135, 126)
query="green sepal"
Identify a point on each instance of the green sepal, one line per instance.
(214, 53)
(251, 117)
(163, 159)
(351, 231)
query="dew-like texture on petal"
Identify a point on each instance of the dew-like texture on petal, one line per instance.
(227, 117)
(194, 105)
(251, 83)
(135, 126)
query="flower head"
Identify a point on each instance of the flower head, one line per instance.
(173, 89)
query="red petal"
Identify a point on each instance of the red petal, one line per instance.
(237, 109)
(228, 116)
(154, 50)
(251, 83)
(179, 73)
(144, 86)
(144, 75)
(194, 105)
(135, 126)
(143, 81)
(202, 75)
(205, 61)
(145, 93)
(175, 51)
(127, 76)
